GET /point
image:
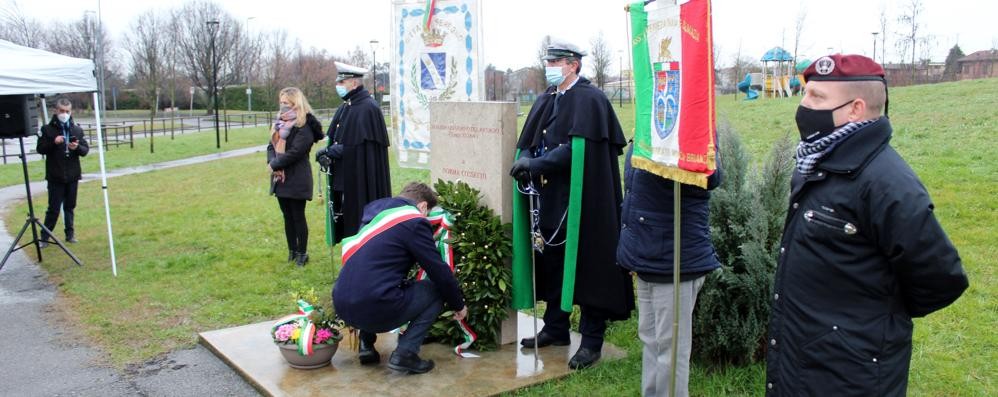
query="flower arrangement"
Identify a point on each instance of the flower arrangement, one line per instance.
(313, 323)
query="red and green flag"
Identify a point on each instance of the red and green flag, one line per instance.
(674, 133)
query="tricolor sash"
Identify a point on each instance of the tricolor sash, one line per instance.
(304, 323)
(443, 221)
(382, 222)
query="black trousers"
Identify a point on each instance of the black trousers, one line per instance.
(295, 225)
(62, 196)
(550, 273)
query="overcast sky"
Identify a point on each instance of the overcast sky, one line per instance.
(513, 28)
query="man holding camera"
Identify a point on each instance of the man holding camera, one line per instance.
(62, 142)
(357, 153)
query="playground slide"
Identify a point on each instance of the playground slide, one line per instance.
(744, 86)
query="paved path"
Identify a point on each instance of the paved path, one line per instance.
(41, 354)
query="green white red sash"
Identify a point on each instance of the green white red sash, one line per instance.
(304, 323)
(382, 222)
(443, 221)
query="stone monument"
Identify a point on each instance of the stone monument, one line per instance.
(474, 142)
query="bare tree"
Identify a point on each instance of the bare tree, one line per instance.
(883, 34)
(799, 25)
(18, 28)
(600, 58)
(147, 46)
(196, 39)
(541, 52)
(358, 57)
(278, 55)
(910, 21)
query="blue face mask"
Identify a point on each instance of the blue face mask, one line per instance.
(342, 91)
(553, 75)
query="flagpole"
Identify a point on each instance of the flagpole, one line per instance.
(676, 214)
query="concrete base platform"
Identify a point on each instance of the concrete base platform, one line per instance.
(250, 351)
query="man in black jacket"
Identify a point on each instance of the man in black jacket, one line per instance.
(862, 252)
(356, 154)
(573, 124)
(62, 142)
(372, 292)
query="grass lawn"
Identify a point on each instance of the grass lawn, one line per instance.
(202, 248)
(182, 146)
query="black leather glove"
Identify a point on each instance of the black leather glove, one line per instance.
(323, 159)
(521, 169)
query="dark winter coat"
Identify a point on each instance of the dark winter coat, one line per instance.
(646, 232)
(61, 164)
(295, 161)
(582, 111)
(373, 284)
(358, 146)
(861, 254)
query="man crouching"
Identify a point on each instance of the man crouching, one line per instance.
(372, 292)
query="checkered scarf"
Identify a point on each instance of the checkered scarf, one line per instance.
(809, 154)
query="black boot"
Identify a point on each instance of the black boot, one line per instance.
(301, 259)
(543, 339)
(584, 358)
(292, 256)
(368, 355)
(410, 362)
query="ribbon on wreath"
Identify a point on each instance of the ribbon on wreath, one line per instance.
(443, 221)
(304, 324)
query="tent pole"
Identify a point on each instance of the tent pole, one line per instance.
(45, 113)
(103, 176)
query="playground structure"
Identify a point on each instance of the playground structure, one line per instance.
(780, 77)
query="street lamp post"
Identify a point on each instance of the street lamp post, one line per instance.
(620, 79)
(374, 76)
(249, 75)
(213, 28)
(875, 46)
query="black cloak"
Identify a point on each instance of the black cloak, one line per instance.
(583, 112)
(360, 172)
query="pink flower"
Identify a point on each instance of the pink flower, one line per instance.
(284, 332)
(322, 335)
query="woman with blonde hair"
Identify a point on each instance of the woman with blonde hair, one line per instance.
(291, 139)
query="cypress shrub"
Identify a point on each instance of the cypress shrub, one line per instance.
(746, 216)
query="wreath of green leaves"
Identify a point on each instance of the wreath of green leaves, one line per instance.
(482, 251)
(448, 92)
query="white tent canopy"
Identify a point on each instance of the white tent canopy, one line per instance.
(27, 70)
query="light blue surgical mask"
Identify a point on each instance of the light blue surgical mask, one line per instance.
(553, 75)
(342, 91)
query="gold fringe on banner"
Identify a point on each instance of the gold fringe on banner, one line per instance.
(671, 173)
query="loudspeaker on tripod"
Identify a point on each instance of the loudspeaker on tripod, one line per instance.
(18, 116)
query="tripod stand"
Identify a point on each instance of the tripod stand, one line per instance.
(33, 222)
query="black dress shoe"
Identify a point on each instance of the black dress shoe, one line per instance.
(409, 362)
(368, 355)
(584, 358)
(301, 259)
(543, 340)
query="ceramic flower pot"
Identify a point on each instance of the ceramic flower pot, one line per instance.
(321, 354)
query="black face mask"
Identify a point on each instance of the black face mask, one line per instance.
(815, 124)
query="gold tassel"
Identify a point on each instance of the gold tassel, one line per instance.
(671, 173)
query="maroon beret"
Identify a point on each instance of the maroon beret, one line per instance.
(840, 67)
